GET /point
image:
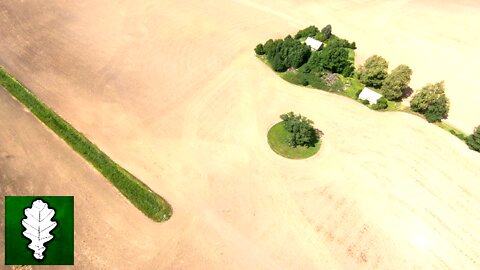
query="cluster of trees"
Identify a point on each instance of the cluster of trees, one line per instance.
(284, 54)
(473, 141)
(333, 58)
(432, 102)
(302, 132)
(374, 73)
(292, 53)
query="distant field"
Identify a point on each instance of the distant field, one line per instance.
(172, 91)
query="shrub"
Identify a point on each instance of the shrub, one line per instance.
(295, 78)
(364, 101)
(321, 36)
(337, 86)
(381, 104)
(317, 82)
(348, 71)
(473, 141)
(259, 49)
(432, 102)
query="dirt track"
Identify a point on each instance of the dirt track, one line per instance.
(172, 91)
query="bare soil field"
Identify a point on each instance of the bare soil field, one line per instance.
(172, 91)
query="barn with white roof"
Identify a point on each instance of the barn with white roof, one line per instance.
(369, 95)
(313, 43)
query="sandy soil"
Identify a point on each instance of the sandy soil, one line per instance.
(172, 91)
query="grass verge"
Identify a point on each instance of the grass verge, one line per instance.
(277, 139)
(453, 130)
(139, 194)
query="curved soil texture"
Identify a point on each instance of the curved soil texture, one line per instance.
(172, 91)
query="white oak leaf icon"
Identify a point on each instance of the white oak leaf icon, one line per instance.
(38, 225)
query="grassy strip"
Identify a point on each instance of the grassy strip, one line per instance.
(277, 139)
(453, 130)
(150, 203)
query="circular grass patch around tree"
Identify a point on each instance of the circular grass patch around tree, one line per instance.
(277, 139)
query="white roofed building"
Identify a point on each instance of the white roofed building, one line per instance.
(369, 95)
(313, 43)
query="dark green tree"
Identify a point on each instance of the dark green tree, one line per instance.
(259, 49)
(374, 71)
(327, 31)
(473, 141)
(310, 31)
(302, 131)
(277, 64)
(396, 82)
(334, 59)
(432, 102)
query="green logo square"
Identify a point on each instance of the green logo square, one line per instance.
(39, 230)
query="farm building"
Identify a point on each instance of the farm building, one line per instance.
(313, 43)
(369, 95)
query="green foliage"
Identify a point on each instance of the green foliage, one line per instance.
(296, 53)
(381, 104)
(283, 54)
(301, 130)
(342, 43)
(277, 139)
(320, 36)
(295, 78)
(473, 141)
(149, 202)
(353, 87)
(277, 64)
(364, 101)
(310, 31)
(327, 31)
(374, 71)
(396, 82)
(334, 59)
(259, 49)
(432, 102)
(348, 71)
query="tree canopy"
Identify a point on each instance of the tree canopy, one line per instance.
(301, 129)
(259, 49)
(373, 71)
(327, 31)
(432, 102)
(473, 141)
(286, 53)
(334, 59)
(310, 31)
(396, 82)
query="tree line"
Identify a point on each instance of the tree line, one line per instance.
(290, 52)
(430, 100)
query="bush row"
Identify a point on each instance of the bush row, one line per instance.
(150, 203)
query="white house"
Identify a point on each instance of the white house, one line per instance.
(369, 95)
(313, 43)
